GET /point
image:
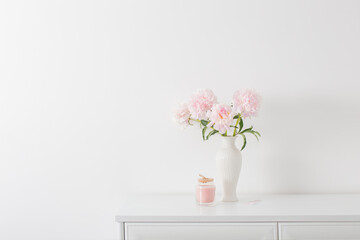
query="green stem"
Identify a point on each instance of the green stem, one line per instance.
(195, 120)
(237, 123)
(200, 122)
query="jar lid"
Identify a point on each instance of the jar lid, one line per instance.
(204, 179)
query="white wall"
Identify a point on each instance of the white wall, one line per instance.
(87, 90)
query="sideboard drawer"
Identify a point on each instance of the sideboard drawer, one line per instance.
(196, 231)
(319, 231)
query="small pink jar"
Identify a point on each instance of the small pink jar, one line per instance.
(205, 191)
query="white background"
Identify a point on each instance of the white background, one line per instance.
(88, 88)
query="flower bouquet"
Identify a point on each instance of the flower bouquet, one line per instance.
(218, 118)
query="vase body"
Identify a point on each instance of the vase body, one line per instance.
(228, 164)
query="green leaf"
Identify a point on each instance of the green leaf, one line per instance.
(257, 133)
(204, 122)
(253, 133)
(247, 130)
(244, 145)
(203, 133)
(237, 116)
(234, 126)
(211, 133)
(241, 124)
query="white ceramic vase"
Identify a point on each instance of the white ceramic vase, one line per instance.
(228, 164)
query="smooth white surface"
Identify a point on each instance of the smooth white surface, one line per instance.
(196, 231)
(87, 90)
(258, 208)
(319, 231)
(228, 164)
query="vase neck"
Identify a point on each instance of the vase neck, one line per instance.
(228, 141)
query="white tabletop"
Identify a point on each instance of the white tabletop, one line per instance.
(250, 208)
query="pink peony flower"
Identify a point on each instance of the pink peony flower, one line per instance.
(201, 102)
(182, 115)
(246, 102)
(221, 117)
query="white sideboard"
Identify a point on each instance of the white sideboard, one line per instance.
(256, 217)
